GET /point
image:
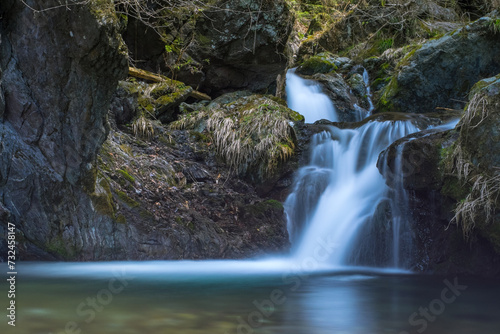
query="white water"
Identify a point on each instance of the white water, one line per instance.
(307, 98)
(354, 187)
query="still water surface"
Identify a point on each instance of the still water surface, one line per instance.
(136, 298)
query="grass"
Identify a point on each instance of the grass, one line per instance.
(143, 127)
(250, 132)
(480, 203)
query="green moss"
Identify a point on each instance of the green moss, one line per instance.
(120, 219)
(102, 198)
(124, 174)
(454, 189)
(316, 64)
(274, 204)
(390, 91)
(127, 200)
(405, 61)
(204, 41)
(167, 99)
(201, 137)
(59, 247)
(384, 44)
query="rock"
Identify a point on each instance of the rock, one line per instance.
(59, 68)
(243, 42)
(436, 12)
(438, 246)
(452, 181)
(442, 71)
(255, 134)
(320, 63)
(218, 48)
(479, 128)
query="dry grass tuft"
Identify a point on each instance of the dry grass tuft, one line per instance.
(250, 132)
(143, 127)
(480, 204)
(482, 201)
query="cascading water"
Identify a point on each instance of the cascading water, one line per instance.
(307, 98)
(352, 188)
(335, 195)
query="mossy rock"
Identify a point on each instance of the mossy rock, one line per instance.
(385, 103)
(125, 175)
(127, 200)
(321, 63)
(102, 198)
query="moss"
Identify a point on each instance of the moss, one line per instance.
(204, 41)
(146, 214)
(384, 44)
(390, 91)
(103, 10)
(102, 198)
(295, 116)
(59, 247)
(126, 199)
(124, 174)
(453, 188)
(261, 208)
(201, 137)
(405, 61)
(167, 99)
(274, 204)
(120, 219)
(316, 64)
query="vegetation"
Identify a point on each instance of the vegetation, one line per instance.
(482, 201)
(250, 132)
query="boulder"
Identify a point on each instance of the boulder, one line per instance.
(442, 71)
(452, 181)
(222, 47)
(243, 42)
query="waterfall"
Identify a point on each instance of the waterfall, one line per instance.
(307, 98)
(347, 187)
(335, 195)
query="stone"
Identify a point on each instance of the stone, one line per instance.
(442, 71)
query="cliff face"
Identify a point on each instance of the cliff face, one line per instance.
(59, 68)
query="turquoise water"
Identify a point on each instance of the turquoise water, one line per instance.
(102, 298)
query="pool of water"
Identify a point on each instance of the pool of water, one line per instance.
(126, 298)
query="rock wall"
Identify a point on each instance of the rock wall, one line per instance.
(59, 69)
